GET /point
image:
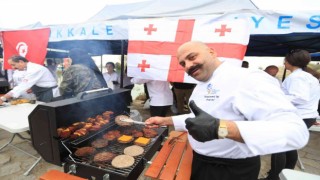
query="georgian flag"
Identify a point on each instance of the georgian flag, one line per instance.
(31, 44)
(153, 45)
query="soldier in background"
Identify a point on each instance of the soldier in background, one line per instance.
(82, 75)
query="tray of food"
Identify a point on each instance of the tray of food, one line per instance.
(19, 101)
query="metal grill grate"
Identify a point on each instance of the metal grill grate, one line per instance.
(79, 140)
(117, 148)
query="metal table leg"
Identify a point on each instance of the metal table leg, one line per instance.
(300, 163)
(21, 150)
(12, 137)
(33, 165)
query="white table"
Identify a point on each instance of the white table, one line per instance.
(289, 174)
(14, 119)
(315, 127)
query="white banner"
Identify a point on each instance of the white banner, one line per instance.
(107, 30)
(260, 22)
(152, 55)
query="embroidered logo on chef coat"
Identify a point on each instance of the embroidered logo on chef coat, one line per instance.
(212, 93)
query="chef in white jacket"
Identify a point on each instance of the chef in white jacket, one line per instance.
(17, 78)
(237, 115)
(303, 90)
(161, 97)
(37, 78)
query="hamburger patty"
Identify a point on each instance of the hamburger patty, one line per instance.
(104, 157)
(121, 123)
(85, 151)
(149, 133)
(99, 143)
(112, 135)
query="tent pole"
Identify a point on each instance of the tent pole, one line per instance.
(284, 74)
(101, 65)
(122, 64)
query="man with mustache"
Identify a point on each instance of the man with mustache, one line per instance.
(237, 115)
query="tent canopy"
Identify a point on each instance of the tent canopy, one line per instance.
(273, 33)
(279, 45)
(170, 8)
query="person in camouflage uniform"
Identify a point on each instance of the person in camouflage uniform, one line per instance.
(82, 75)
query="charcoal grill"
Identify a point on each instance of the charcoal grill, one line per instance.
(46, 118)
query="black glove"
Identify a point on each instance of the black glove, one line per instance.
(203, 127)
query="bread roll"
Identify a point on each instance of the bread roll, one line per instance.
(122, 161)
(133, 150)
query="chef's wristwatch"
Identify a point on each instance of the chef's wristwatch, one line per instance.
(223, 130)
(3, 98)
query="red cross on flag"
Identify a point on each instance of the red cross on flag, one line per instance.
(153, 44)
(31, 44)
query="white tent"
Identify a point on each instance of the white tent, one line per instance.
(273, 33)
(171, 8)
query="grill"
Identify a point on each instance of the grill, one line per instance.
(46, 118)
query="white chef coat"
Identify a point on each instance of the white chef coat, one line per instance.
(159, 91)
(303, 90)
(250, 98)
(17, 78)
(36, 74)
(110, 77)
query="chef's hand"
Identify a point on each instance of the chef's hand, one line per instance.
(156, 121)
(203, 127)
(2, 99)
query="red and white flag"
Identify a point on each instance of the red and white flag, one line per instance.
(153, 44)
(31, 44)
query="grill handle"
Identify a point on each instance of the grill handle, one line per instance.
(83, 94)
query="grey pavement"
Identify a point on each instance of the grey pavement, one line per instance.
(13, 163)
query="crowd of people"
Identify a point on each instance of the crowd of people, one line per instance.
(302, 90)
(232, 116)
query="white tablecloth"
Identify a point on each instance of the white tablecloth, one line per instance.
(289, 174)
(14, 118)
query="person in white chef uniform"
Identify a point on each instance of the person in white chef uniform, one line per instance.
(161, 97)
(17, 77)
(37, 78)
(237, 115)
